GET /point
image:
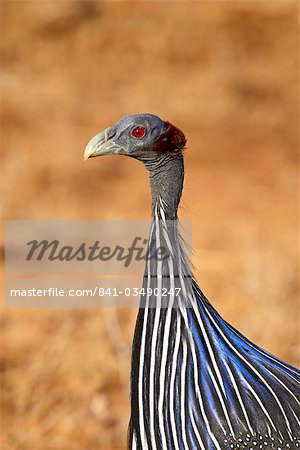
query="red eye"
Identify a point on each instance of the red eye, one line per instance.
(138, 132)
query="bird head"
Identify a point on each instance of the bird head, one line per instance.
(141, 136)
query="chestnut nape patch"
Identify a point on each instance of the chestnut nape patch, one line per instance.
(172, 141)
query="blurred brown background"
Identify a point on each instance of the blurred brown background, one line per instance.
(226, 73)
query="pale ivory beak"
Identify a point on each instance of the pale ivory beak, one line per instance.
(100, 145)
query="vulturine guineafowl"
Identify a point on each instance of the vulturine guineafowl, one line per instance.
(196, 382)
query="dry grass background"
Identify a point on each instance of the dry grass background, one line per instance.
(227, 74)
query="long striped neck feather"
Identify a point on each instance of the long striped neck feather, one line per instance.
(196, 382)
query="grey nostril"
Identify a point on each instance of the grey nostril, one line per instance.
(111, 132)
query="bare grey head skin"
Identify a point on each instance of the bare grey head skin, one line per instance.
(156, 143)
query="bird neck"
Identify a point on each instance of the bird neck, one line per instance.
(166, 181)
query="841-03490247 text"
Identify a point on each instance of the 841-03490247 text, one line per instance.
(97, 291)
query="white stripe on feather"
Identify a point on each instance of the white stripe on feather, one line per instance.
(142, 359)
(196, 379)
(154, 340)
(134, 446)
(200, 442)
(172, 382)
(182, 393)
(235, 386)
